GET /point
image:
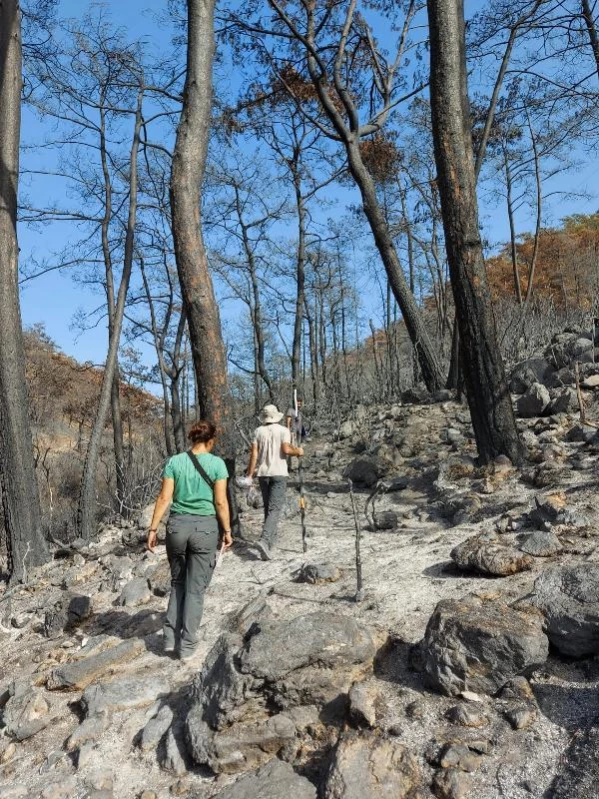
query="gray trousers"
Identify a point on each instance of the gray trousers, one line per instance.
(191, 546)
(273, 494)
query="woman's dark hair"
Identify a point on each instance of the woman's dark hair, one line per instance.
(201, 432)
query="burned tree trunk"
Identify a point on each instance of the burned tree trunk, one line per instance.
(484, 376)
(20, 500)
(86, 510)
(189, 162)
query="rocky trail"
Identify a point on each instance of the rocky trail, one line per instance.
(468, 670)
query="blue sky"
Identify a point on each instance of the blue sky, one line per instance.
(55, 299)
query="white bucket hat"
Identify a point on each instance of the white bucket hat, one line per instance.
(270, 414)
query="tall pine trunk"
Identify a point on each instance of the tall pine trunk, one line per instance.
(86, 510)
(20, 499)
(484, 376)
(189, 163)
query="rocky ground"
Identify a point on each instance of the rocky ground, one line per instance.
(468, 669)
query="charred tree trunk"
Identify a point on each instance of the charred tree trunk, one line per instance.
(425, 353)
(20, 499)
(484, 376)
(188, 168)
(300, 277)
(115, 394)
(86, 510)
(591, 30)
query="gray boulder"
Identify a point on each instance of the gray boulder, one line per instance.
(240, 747)
(568, 597)
(220, 688)
(541, 544)
(83, 672)
(317, 574)
(564, 401)
(472, 645)
(533, 402)
(487, 554)
(26, 713)
(276, 780)
(135, 592)
(326, 639)
(364, 471)
(155, 729)
(529, 372)
(126, 693)
(366, 766)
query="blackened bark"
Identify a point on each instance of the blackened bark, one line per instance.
(484, 376)
(18, 487)
(188, 168)
(591, 30)
(300, 276)
(86, 510)
(413, 319)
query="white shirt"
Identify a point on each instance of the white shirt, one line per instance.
(269, 438)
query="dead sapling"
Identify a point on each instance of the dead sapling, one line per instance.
(360, 586)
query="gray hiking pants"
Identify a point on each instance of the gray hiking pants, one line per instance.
(273, 494)
(191, 546)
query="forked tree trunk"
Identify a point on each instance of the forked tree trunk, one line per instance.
(484, 376)
(18, 487)
(189, 162)
(86, 510)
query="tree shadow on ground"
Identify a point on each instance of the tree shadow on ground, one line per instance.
(394, 663)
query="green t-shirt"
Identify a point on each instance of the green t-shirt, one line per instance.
(192, 492)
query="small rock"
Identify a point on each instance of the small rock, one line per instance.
(541, 544)
(466, 716)
(451, 784)
(136, 592)
(89, 731)
(173, 760)
(517, 688)
(486, 554)
(533, 402)
(521, 717)
(386, 520)
(155, 728)
(460, 757)
(317, 574)
(65, 789)
(362, 704)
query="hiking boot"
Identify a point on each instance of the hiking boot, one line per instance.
(264, 550)
(187, 656)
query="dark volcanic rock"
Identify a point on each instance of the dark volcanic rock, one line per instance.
(276, 780)
(486, 554)
(471, 645)
(366, 766)
(568, 597)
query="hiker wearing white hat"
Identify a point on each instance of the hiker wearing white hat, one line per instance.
(268, 460)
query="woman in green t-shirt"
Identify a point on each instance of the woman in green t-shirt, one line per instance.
(195, 482)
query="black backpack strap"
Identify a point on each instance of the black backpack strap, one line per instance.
(200, 469)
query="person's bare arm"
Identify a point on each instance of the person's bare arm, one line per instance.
(221, 503)
(288, 449)
(253, 460)
(289, 419)
(162, 503)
